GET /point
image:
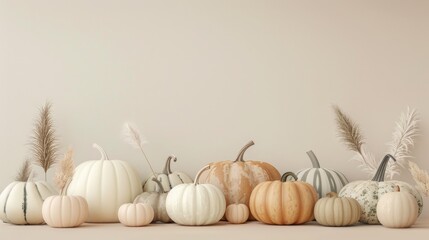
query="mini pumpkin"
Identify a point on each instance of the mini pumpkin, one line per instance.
(195, 204)
(65, 211)
(323, 180)
(335, 211)
(135, 214)
(367, 193)
(237, 178)
(106, 185)
(157, 201)
(397, 209)
(167, 178)
(237, 213)
(283, 202)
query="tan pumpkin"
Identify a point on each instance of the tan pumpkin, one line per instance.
(283, 202)
(135, 214)
(337, 211)
(237, 213)
(238, 178)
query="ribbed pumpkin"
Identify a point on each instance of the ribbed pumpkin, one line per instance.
(397, 209)
(323, 180)
(367, 193)
(106, 185)
(238, 178)
(237, 213)
(195, 204)
(65, 211)
(135, 214)
(335, 211)
(167, 178)
(21, 202)
(157, 201)
(283, 202)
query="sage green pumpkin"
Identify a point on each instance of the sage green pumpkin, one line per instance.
(367, 193)
(157, 201)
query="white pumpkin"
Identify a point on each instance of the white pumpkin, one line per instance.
(237, 213)
(157, 201)
(21, 202)
(397, 209)
(167, 178)
(65, 211)
(324, 180)
(135, 215)
(106, 185)
(196, 204)
(367, 193)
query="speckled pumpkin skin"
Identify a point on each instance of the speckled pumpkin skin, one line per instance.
(368, 192)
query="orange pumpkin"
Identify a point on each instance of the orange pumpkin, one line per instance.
(238, 178)
(283, 202)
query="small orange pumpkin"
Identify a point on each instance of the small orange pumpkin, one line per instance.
(283, 202)
(238, 178)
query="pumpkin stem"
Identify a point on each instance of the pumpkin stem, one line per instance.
(101, 150)
(313, 159)
(241, 153)
(397, 188)
(167, 166)
(379, 175)
(331, 195)
(197, 178)
(159, 185)
(287, 174)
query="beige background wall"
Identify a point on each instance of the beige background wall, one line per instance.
(201, 78)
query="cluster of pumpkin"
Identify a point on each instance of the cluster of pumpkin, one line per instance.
(110, 191)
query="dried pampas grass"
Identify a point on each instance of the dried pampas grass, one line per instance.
(24, 172)
(420, 176)
(65, 173)
(44, 142)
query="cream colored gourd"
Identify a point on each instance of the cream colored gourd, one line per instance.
(65, 211)
(335, 211)
(237, 213)
(21, 202)
(367, 193)
(195, 204)
(106, 185)
(397, 209)
(135, 215)
(283, 202)
(167, 178)
(157, 201)
(238, 178)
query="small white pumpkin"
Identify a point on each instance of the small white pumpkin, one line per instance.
(335, 211)
(167, 178)
(21, 202)
(106, 185)
(157, 201)
(135, 215)
(324, 180)
(397, 209)
(65, 211)
(237, 213)
(196, 204)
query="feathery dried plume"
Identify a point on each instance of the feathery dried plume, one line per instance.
(366, 161)
(349, 131)
(405, 133)
(24, 172)
(44, 144)
(420, 176)
(65, 172)
(133, 137)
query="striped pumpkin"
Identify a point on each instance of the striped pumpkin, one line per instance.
(323, 180)
(21, 202)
